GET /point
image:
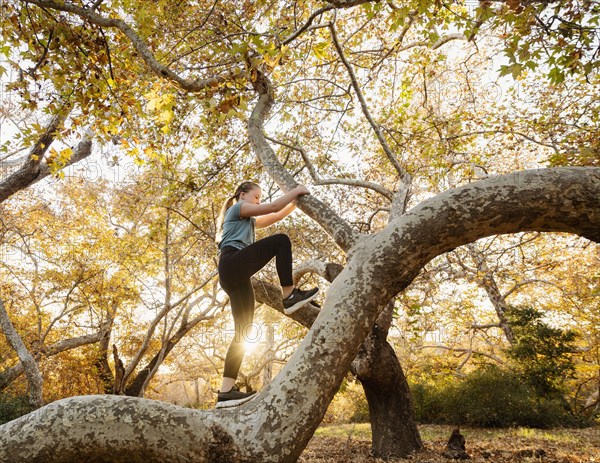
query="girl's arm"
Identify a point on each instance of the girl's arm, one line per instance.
(266, 220)
(253, 210)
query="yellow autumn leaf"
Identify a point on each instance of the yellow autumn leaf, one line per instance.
(166, 116)
(319, 50)
(65, 154)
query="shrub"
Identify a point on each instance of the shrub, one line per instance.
(12, 407)
(490, 397)
(427, 400)
(541, 353)
(361, 410)
(349, 405)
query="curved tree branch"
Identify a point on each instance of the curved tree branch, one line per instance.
(307, 24)
(309, 165)
(81, 151)
(363, 104)
(349, 3)
(10, 374)
(341, 232)
(294, 403)
(31, 169)
(358, 183)
(167, 307)
(334, 181)
(493, 357)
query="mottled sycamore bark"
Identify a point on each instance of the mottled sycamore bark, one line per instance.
(394, 431)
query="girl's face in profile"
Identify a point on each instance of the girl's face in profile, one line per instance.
(253, 196)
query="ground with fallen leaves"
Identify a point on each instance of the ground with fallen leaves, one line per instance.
(351, 444)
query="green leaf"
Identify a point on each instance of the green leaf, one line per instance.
(556, 76)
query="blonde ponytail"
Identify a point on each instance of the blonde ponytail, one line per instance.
(226, 205)
(243, 187)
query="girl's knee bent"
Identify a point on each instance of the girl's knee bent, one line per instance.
(282, 239)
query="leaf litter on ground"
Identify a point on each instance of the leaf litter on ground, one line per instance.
(351, 443)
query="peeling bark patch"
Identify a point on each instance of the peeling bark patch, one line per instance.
(221, 447)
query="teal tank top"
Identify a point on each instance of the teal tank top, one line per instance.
(237, 231)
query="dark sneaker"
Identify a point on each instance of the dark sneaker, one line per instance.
(298, 298)
(233, 397)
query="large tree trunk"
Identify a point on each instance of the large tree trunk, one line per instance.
(277, 425)
(394, 432)
(137, 387)
(393, 426)
(105, 374)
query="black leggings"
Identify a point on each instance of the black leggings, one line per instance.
(235, 269)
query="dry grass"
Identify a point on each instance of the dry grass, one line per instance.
(351, 443)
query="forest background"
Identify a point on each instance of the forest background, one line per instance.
(108, 260)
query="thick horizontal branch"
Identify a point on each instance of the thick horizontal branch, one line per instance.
(384, 264)
(447, 38)
(72, 343)
(349, 3)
